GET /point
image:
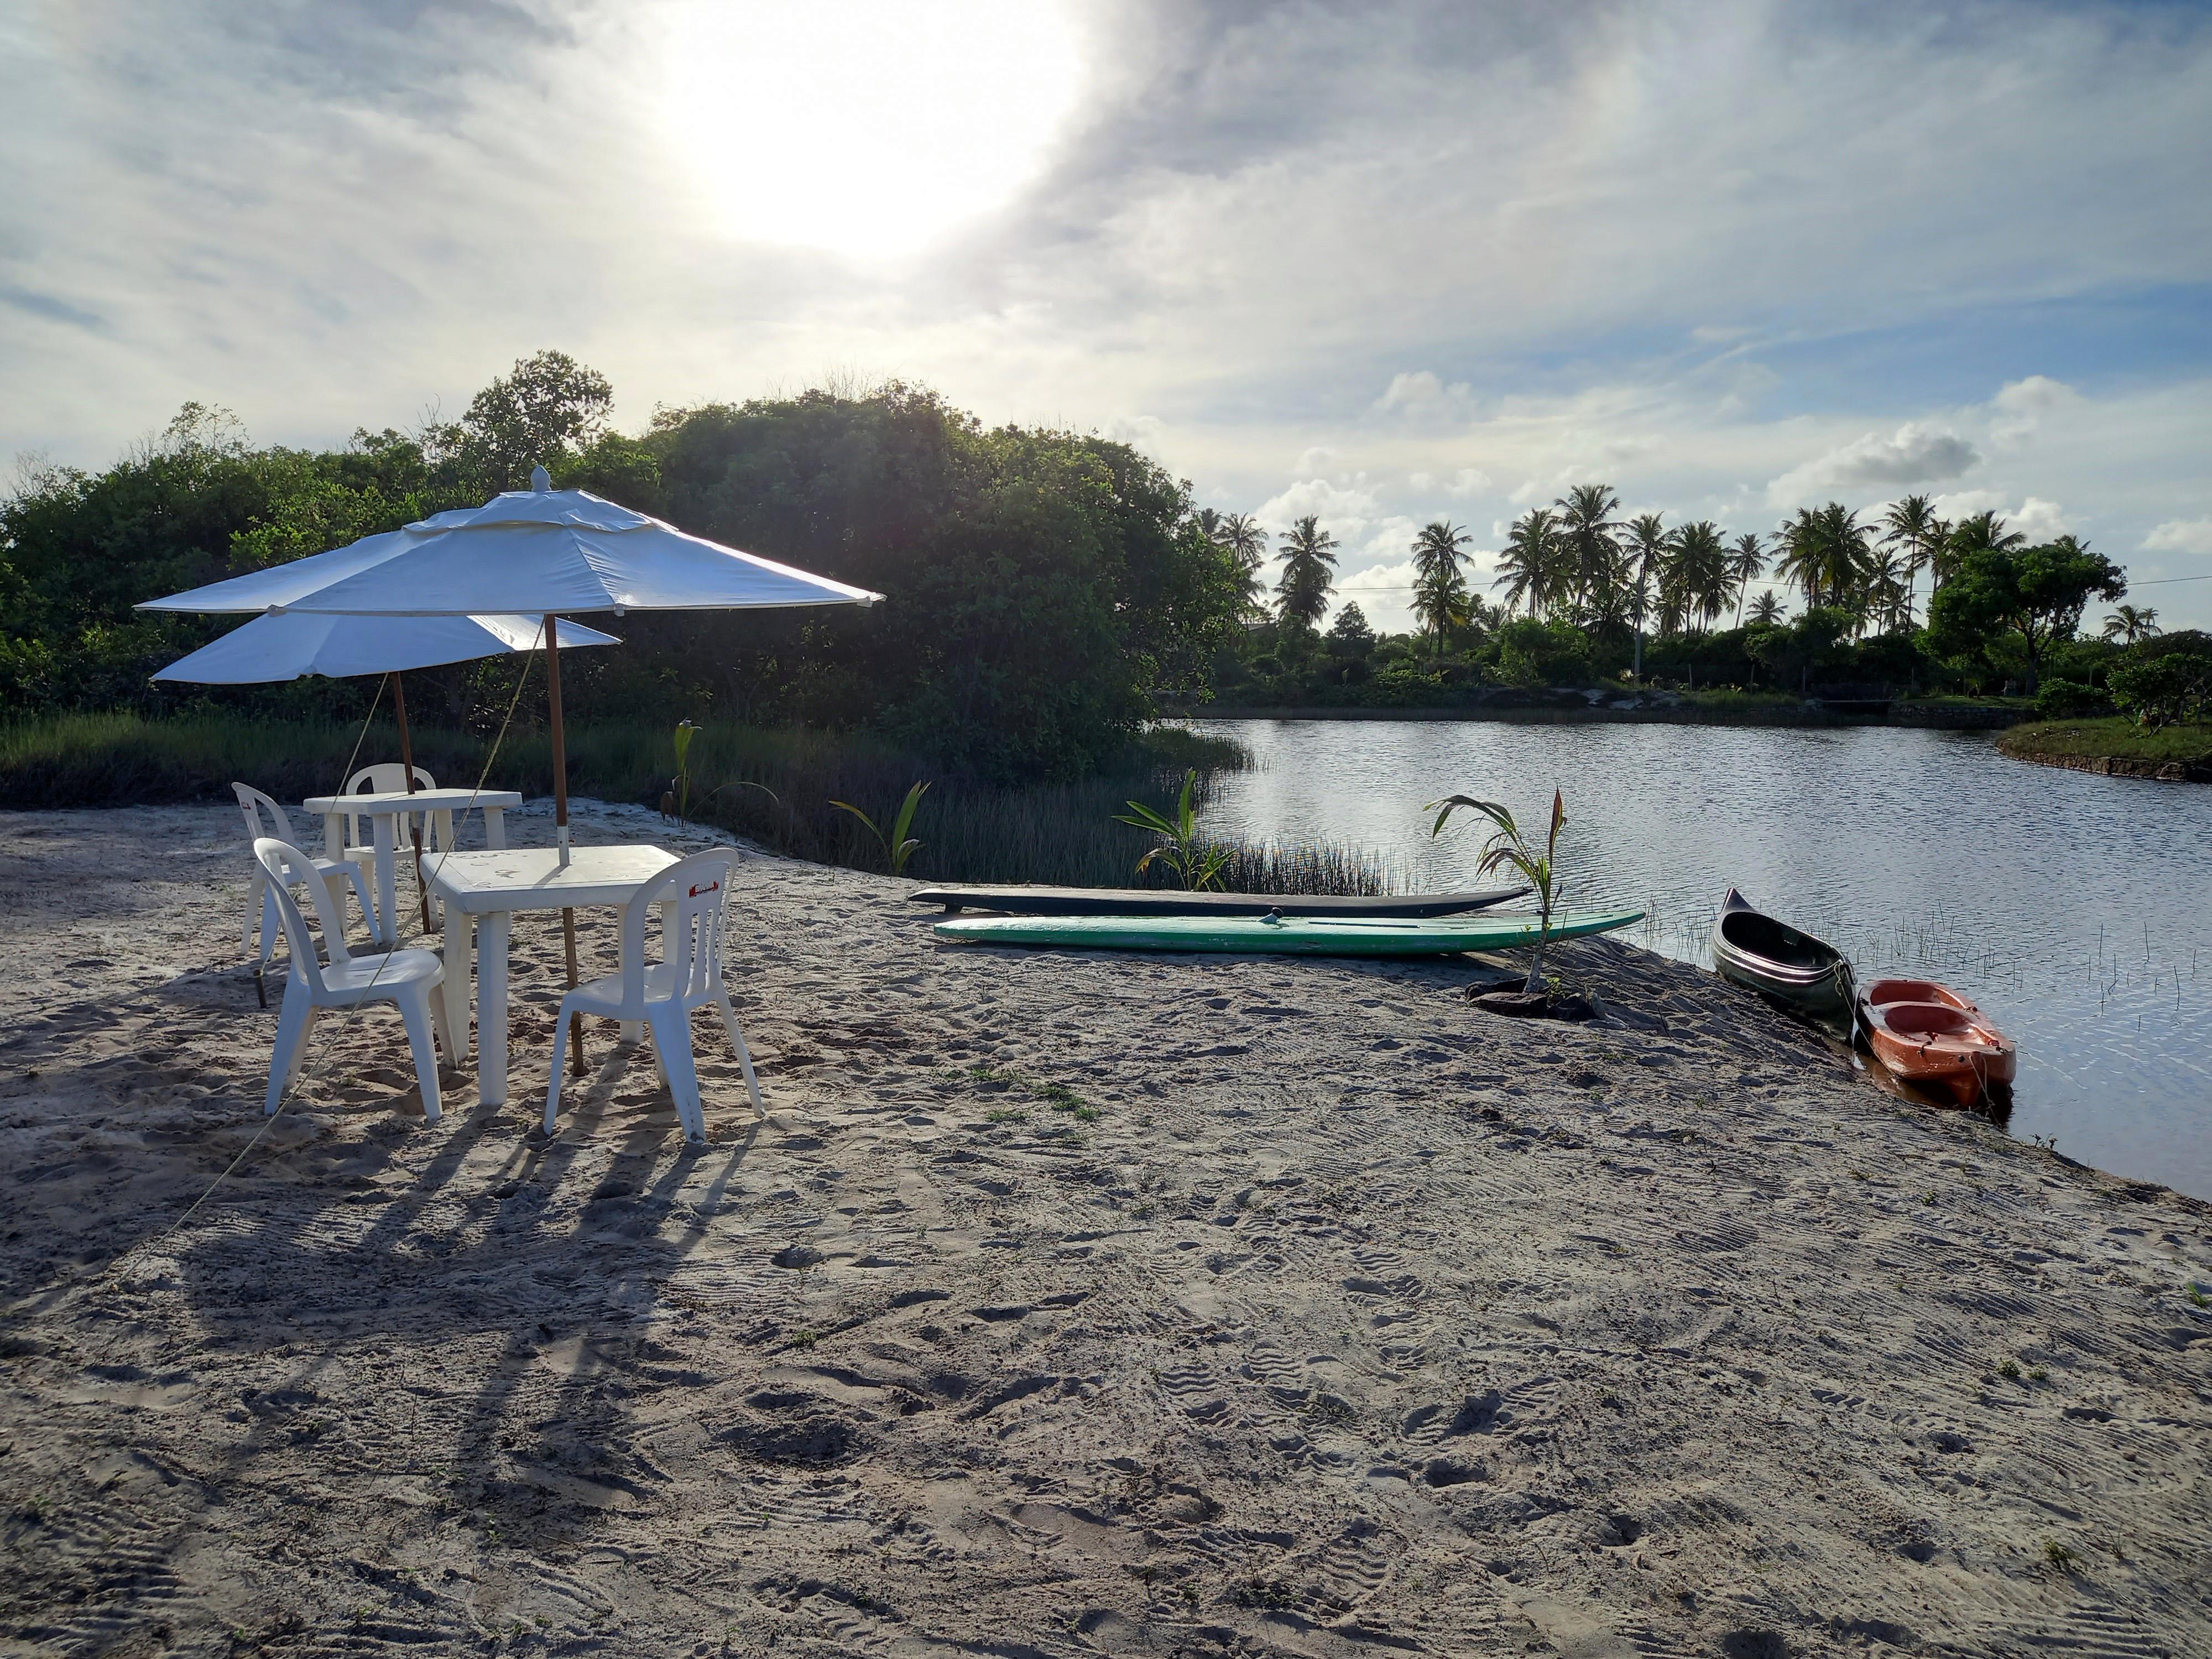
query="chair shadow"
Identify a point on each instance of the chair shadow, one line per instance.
(497, 1267)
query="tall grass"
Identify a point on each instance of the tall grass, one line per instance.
(772, 786)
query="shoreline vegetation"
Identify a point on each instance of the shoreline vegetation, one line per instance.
(2117, 747)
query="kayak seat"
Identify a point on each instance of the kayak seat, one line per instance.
(1925, 1019)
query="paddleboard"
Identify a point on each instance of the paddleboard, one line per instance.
(1127, 903)
(1293, 936)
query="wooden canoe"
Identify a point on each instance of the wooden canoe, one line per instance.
(1152, 901)
(1796, 970)
(1928, 1034)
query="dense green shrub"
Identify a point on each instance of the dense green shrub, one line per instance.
(2059, 699)
(2161, 689)
(1531, 652)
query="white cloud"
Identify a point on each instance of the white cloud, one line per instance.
(1421, 483)
(1528, 491)
(1916, 454)
(2038, 520)
(1345, 510)
(1467, 481)
(1314, 459)
(1423, 397)
(2034, 518)
(1384, 595)
(1966, 503)
(1392, 538)
(2020, 407)
(2180, 536)
(1143, 432)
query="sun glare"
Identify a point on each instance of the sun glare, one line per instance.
(870, 127)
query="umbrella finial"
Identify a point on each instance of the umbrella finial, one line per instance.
(540, 479)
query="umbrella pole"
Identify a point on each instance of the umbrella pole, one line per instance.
(561, 822)
(414, 824)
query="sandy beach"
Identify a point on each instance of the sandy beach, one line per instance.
(1062, 1304)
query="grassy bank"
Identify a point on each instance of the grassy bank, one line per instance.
(775, 786)
(2116, 744)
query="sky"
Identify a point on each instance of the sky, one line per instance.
(1382, 263)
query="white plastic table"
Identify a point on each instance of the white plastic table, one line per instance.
(384, 810)
(488, 888)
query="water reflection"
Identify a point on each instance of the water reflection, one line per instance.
(2077, 910)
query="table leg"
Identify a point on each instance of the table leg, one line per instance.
(495, 827)
(333, 835)
(492, 931)
(459, 944)
(387, 875)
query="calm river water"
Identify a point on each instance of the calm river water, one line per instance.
(2077, 910)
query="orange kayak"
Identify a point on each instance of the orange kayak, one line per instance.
(1929, 1035)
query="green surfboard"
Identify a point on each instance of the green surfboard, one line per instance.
(1293, 936)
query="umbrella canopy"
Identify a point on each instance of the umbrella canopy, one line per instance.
(539, 552)
(289, 646)
(279, 585)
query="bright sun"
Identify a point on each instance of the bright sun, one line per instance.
(870, 127)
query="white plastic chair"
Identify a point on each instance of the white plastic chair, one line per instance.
(405, 977)
(662, 995)
(391, 776)
(385, 777)
(264, 818)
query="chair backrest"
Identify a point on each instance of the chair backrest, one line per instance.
(386, 777)
(390, 777)
(692, 941)
(286, 864)
(264, 816)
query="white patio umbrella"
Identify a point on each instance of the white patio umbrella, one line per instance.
(274, 647)
(539, 552)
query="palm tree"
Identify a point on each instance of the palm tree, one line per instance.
(1209, 524)
(1913, 527)
(1888, 594)
(1826, 553)
(2129, 625)
(1767, 609)
(1528, 568)
(1240, 533)
(1309, 560)
(1984, 532)
(1699, 571)
(1439, 586)
(1747, 563)
(1240, 536)
(1586, 529)
(1643, 554)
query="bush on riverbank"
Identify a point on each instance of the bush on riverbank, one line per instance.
(2115, 738)
(772, 786)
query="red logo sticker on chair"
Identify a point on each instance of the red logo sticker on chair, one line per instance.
(711, 887)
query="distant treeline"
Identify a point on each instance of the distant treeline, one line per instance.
(1043, 586)
(1590, 595)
